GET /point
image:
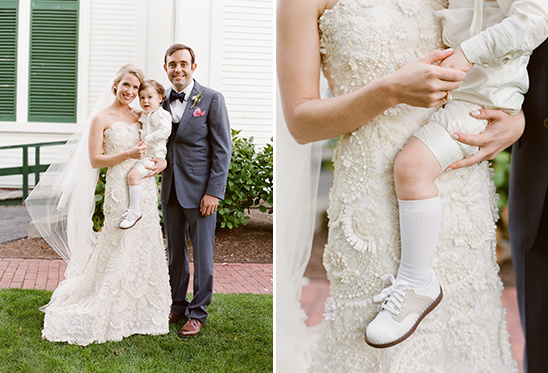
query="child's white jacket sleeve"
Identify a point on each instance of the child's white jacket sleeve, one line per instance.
(524, 28)
(162, 120)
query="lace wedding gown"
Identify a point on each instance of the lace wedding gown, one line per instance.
(362, 40)
(124, 288)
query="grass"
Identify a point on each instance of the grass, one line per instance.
(236, 338)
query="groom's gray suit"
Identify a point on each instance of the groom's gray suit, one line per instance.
(528, 212)
(198, 159)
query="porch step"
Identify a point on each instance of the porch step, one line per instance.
(10, 194)
(11, 197)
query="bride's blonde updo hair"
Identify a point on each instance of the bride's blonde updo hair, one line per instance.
(128, 68)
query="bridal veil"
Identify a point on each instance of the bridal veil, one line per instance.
(297, 174)
(61, 205)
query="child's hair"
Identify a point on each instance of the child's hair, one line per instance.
(154, 84)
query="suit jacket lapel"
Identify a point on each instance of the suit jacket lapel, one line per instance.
(166, 104)
(187, 114)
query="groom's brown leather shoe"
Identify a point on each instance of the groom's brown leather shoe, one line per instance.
(192, 327)
(173, 318)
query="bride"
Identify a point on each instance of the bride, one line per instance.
(384, 91)
(116, 281)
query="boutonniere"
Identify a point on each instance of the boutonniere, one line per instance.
(198, 112)
(196, 99)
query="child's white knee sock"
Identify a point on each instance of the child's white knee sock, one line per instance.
(420, 223)
(135, 192)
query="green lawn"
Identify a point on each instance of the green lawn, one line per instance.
(236, 338)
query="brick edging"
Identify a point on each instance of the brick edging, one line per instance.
(47, 273)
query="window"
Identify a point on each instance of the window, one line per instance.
(8, 58)
(53, 61)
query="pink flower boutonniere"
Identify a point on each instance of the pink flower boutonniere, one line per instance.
(198, 112)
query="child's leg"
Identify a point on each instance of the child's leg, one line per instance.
(416, 291)
(135, 190)
(415, 171)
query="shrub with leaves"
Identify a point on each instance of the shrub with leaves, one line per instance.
(250, 182)
(501, 165)
(264, 179)
(98, 216)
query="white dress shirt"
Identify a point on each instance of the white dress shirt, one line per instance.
(178, 107)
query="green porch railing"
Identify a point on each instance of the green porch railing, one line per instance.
(27, 169)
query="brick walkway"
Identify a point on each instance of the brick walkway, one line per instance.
(46, 274)
(315, 293)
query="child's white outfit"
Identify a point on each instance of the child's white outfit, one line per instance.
(500, 53)
(156, 128)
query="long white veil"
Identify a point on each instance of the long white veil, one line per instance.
(297, 175)
(61, 205)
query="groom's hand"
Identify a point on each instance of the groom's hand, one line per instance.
(502, 131)
(208, 205)
(159, 166)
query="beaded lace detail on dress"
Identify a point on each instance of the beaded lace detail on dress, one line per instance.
(124, 288)
(363, 40)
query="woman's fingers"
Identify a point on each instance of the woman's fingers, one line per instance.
(451, 76)
(466, 162)
(424, 85)
(436, 56)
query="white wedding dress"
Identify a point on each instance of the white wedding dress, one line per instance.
(124, 287)
(362, 40)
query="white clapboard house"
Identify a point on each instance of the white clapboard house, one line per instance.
(56, 57)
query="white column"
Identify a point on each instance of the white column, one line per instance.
(23, 46)
(84, 25)
(193, 28)
(159, 35)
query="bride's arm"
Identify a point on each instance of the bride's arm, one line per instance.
(95, 144)
(310, 118)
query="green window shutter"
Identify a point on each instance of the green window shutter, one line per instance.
(53, 61)
(8, 59)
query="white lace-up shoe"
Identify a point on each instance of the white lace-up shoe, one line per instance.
(403, 308)
(130, 219)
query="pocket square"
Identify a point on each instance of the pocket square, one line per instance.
(198, 112)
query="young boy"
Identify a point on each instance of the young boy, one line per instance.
(156, 128)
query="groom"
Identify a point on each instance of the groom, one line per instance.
(194, 179)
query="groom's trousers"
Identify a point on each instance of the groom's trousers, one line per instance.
(531, 268)
(180, 224)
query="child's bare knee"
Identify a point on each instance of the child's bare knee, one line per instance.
(404, 166)
(133, 176)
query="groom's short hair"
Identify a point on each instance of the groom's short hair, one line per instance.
(179, 46)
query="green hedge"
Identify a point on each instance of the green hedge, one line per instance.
(501, 165)
(250, 184)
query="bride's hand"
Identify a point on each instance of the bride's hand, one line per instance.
(421, 83)
(138, 151)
